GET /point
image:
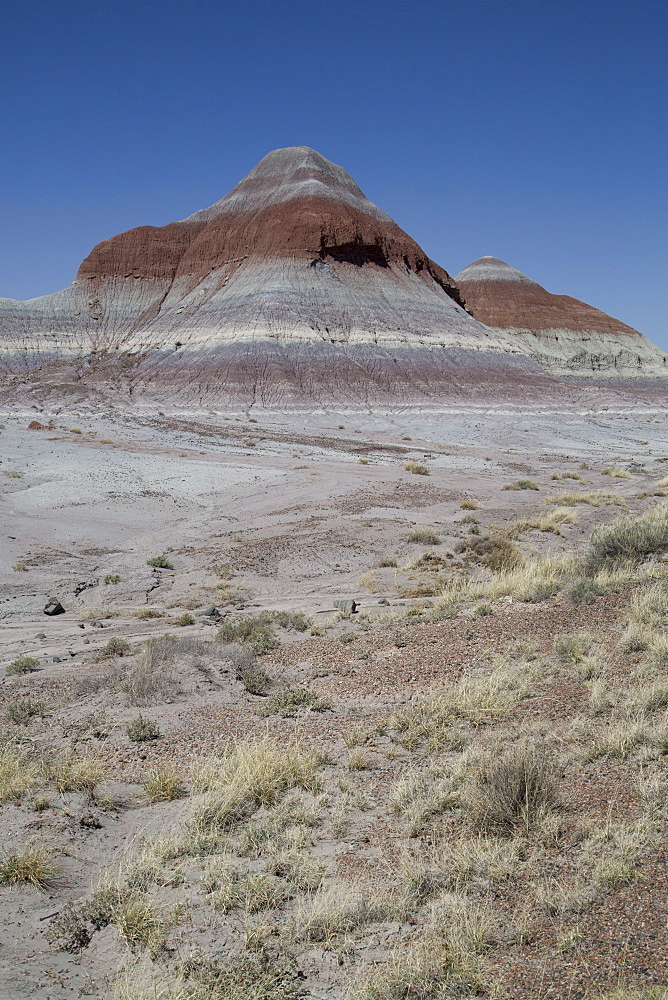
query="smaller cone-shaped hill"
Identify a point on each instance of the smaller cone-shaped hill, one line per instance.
(565, 335)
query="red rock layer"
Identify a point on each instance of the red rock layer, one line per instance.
(307, 226)
(503, 298)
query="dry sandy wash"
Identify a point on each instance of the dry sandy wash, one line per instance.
(458, 790)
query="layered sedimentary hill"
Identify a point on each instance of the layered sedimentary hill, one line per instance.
(566, 336)
(293, 284)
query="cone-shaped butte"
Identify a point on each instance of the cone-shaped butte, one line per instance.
(292, 285)
(565, 335)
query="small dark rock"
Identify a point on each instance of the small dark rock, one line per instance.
(90, 821)
(41, 635)
(211, 613)
(348, 607)
(56, 659)
(54, 608)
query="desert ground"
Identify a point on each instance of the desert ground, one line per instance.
(219, 779)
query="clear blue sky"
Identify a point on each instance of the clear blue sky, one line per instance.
(533, 131)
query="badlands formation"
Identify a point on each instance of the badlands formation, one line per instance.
(294, 288)
(357, 689)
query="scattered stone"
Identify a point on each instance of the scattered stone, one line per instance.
(239, 607)
(54, 608)
(89, 821)
(348, 607)
(211, 613)
(84, 585)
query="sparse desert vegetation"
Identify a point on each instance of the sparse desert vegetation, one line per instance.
(521, 484)
(444, 777)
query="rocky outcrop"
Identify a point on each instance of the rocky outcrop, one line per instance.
(566, 336)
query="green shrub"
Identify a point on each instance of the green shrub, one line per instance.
(250, 631)
(185, 619)
(116, 647)
(22, 665)
(288, 703)
(584, 591)
(522, 484)
(628, 539)
(540, 590)
(22, 711)
(572, 648)
(254, 679)
(112, 578)
(483, 610)
(142, 730)
(159, 562)
(286, 619)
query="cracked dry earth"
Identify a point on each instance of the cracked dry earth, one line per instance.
(369, 855)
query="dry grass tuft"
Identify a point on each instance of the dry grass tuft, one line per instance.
(250, 773)
(595, 498)
(337, 908)
(534, 580)
(420, 794)
(512, 793)
(480, 858)
(424, 536)
(75, 773)
(552, 522)
(616, 473)
(17, 773)
(33, 864)
(152, 678)
(472, 700)
(423, 972)
(163, 784)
